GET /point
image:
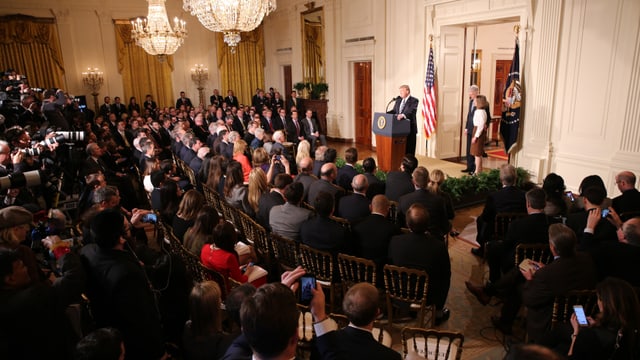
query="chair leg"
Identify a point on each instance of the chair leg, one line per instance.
(389, 313)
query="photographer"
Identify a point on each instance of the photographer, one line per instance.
(52, 105)
(29, 113)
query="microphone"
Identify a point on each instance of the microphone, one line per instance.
(389, 103)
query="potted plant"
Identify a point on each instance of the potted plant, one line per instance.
(299, 87)
(319, 90)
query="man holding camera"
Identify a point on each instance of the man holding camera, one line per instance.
(52, 105)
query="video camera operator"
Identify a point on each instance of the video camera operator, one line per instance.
(29, 114)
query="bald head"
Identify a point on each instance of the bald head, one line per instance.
(328, 171)
(360, 183)
(380, 205)
(631, 231)
(306, 165)
(626, 180)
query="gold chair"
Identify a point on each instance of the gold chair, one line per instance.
(405, 285)
(501, 224)
(420, 343)
(213, 198)
(306, 333)
(342, 222)
(320, 264)
(285, 251)
(536, 252)
(355, 270)
(563, 305)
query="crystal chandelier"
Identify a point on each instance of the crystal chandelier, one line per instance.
(154, 34)
(230, 16)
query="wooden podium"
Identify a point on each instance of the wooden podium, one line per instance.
(391, 140)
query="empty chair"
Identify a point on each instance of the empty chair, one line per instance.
(431, 344)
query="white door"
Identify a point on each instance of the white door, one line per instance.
(450, 74)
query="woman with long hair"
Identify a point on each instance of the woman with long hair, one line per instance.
(201, 232)
(304, 150)
(153, 164)
(436, 178)
(261, 159)
(479, 132)
(257, 186)
(239, 147)
(614, 333)
(217, 169)
(203, 337)
(234, 190)
(184, 218)
(223, 257)
(170, 194)
(556, 202)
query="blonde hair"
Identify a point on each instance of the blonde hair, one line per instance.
(257, 186)
(436, 178)
(239, 147)
(190, 204)
(304, 150)
(8, 238)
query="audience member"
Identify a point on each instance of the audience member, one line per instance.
(326, 183)
(203, 337)
(235, 192)
(376, 186)
(285, 220)
(201, 232)
(272, 198)
(629, 200)
(356, 206)
(399, 182)
(322, 233)
(348, 171)
(188, 209)
(102, 344)
(422, 250)
(305, 175)
(257, 187)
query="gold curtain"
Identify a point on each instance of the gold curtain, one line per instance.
(31, 47)
(243, 71)
(313, 68)
(142, 73)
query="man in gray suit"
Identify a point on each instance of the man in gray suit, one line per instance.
(312, 130)
(285, 220)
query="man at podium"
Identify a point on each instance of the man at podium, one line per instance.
(405, 109)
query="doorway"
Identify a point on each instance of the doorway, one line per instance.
(288, 84)
(362, 102)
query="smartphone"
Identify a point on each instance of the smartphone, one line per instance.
(605, 213)
(569, 194)
(150, 218)
(277, 157)
(307, 282)
(580, 316)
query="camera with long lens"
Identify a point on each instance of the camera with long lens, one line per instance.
(34, 151)
(70, 135)
(25, 179)
(53, 140)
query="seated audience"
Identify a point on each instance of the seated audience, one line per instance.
(235, 193)
(376, 186)
(102, 344)
(356, 206)
(557, 203)
(348, 171)
(239, 149)
(258, 186)
(322, 233)
(326, 183)
(305, 175)
(170, 195)
(285, 220)
(629, 200)
(399, 182)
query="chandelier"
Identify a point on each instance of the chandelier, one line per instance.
(230, 17)
(154, 34)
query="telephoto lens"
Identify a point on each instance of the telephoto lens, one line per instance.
(71, 135)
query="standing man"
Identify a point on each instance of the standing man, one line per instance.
(468, 129)
(183, 100)
(216, 99)
(406, 108)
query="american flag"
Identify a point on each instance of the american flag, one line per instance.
(429, 99)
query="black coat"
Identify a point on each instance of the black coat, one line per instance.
(352, 343)
(438, 221)
(354, 207)
(398, 184)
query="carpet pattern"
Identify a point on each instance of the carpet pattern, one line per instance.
(498, 154)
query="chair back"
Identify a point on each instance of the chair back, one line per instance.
(342, 222)
(213, 275)
(355, 270)
(213, 198)
(408, 286)
(317, 262)
(563, 305)
(393, 211)
(418, 343)
(285, 251)
(536, 252)
(501, 224)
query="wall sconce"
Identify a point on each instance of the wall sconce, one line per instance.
(93, 79)
(200, 75)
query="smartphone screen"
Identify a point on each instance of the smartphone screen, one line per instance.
(605, 213)
(150, 218)
(306, 284)
(580, 316)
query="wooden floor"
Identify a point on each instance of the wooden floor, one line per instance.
(450, 168)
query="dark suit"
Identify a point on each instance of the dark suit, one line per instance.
(118, 109)
(619, 260)
(507, 199)
(398, 184)
(310, 126)
(306, 180)
(628, 201)
(353, 343)
(231, 101)
(297, 103)
(556, 279)
(183, 101)
(371, 239)
(471, 163)
(376, 187)
(604, 231)
(195, 164)
(323, 185)
(293, 131)
(424, 252)
(265, 203)
(409, 111)
(216, 99)
(345, 176)
(354, 207)
(438, 222)
(324, 234)
(105, 110)
(277, 123)
(151, 105)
